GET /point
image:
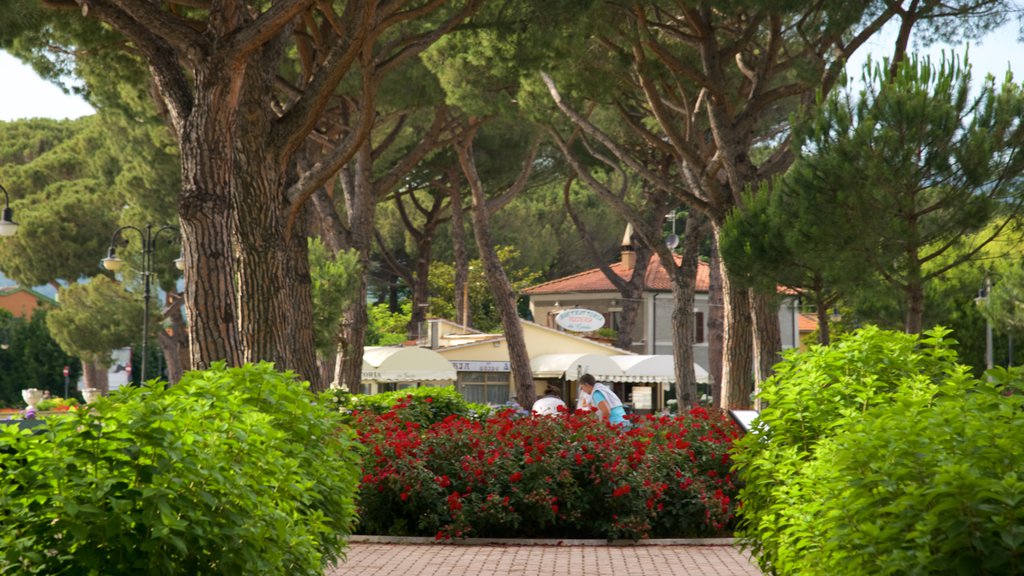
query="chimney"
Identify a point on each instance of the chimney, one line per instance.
(628, 252)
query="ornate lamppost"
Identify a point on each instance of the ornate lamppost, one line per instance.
(7, 224)
(149, 237)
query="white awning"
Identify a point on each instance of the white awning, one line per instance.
(405, 364)
(571, 366)
(652, 368)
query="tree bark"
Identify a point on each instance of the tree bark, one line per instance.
(458, 229)
(684, 290)
(204, 210)
(764, 310)
(360, 206)
(738, 360)
(174, 344)
(94, 375)
(716, 326)
(504, 297)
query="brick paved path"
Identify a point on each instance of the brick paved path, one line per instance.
(371, 559)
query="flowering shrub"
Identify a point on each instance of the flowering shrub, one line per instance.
(567, 476)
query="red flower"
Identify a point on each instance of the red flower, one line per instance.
(621, 490)
(428, 399)
(516, 477)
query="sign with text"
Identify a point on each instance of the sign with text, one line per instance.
(580, 320)
(481, 366)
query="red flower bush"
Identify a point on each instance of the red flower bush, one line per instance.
(569, 476)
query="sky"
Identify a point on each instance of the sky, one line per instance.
(23, 94)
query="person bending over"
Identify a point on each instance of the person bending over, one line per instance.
(606, 402)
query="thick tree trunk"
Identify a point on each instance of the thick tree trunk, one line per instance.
(298, 333)
(205, 210)
(501, 288)
(738, 359)
(95, 376)
(716, 326)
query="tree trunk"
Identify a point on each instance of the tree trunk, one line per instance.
(738, 360)
(764, 310)
(716, 326)
(299, 332)
(94, 375)
(174, 343)
(360, 205)
(632, 298)
(504, 297)
(683, 290)
(458, 229)
(824, 331)
(204, 210)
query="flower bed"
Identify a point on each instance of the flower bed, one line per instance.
(570, 476)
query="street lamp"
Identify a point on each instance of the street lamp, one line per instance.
(149, 237)
(982, 300)
(7, 224)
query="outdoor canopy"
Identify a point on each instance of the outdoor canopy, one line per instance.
(405, 364)
(658, 368)
(571, 366)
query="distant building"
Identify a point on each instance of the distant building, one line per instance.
(652, 333)
(23, 302)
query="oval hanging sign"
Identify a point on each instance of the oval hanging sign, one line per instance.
(580, 320)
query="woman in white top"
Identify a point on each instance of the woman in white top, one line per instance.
(549, 403)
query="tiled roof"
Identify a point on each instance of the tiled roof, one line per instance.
(594, 280)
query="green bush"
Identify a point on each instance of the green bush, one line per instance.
(425, 405)
(232, 471)
(882, 455)
(932, 484)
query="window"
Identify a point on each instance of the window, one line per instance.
(698, 327)
(485, 387)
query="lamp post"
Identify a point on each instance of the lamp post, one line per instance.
(149, 237)
(982, 299)
(7, 224)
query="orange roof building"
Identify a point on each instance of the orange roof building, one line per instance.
(652, 334)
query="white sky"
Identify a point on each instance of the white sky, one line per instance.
(24, 95)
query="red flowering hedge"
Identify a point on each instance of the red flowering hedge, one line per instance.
(570, 476)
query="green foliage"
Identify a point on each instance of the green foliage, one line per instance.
(912, 170)
(930, 484)
(335, 279)
(425, 405)
(31, 359)
(482, 311)
(386, 327)
(95, 318)
(232, 471)
(1004, 306)
(861, 438)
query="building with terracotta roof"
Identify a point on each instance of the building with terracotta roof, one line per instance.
(23, 302)
(652, 333)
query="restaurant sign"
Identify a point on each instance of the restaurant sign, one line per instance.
(580, 320)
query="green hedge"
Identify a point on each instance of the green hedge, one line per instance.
(232, 471)
(882, 455)
(425, 405)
